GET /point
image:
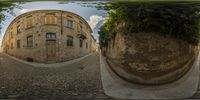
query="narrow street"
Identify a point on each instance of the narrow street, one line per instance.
(78, 80)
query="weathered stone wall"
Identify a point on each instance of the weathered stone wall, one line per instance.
(150, 58)
(39, 29)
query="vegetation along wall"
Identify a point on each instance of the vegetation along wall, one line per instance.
(151, 42)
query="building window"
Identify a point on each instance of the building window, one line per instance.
(80, 43)
(69, 41)
(81, 28)
(50, 36)
(69, 23)
(50, 20)
(11, 45)
(29, 23)
(30, 41)
(18, 43)
(18, 29)
(11, 35)
(86, 45)
(69, 16)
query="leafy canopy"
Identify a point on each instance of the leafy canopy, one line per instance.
(179, 19)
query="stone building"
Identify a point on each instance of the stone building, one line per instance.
(48, 36)
(149, 57)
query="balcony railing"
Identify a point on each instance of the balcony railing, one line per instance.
(82, 35)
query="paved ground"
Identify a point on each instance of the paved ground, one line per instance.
(77, 80)
(116, 87)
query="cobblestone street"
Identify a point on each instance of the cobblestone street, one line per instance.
(78, 80)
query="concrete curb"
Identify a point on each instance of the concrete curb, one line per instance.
(116, 87)
(48, 65)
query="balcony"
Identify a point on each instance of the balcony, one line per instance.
(82, 35)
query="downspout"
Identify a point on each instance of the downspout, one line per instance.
(61, 31)
(61, 22)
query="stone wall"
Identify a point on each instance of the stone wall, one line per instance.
(150, 58)
(39, 29)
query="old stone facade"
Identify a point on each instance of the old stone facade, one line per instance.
(150, 58)
(48, 36)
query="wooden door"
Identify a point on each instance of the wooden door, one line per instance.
(51, 50)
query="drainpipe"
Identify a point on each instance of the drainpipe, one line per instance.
(61, 22)
(61, 31)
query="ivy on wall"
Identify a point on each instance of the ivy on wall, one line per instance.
(179, 19)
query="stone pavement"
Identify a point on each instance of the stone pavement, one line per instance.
(80, 80)
(77, 80)
(116, 87)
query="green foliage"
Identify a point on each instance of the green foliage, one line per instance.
(179, 19)
(108, 30)
(103, 38)
(6, 6)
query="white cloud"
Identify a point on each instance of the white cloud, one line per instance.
(94, 20)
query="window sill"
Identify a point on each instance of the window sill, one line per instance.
(29, 47)
(51, 39)
(69, 28)
(70, 46)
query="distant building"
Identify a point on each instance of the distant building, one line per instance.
(48, 36)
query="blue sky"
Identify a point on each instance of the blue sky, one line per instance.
(92, 15)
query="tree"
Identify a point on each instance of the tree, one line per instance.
(178, 19)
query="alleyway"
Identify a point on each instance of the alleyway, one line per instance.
(78, 80)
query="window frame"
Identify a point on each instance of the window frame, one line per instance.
(80, 43)
(50, 36)
(70, 24)
(29, 42)
(18, 44)
(50, 20)
(18, 29)
(11, 34)
(81, 28)
(70, 40)
(86, 44)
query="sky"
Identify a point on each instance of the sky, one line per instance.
(91, 14)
